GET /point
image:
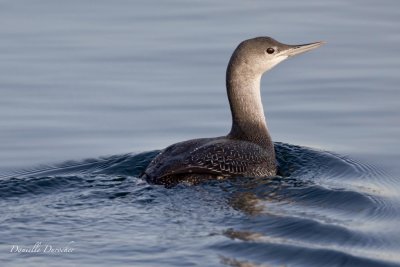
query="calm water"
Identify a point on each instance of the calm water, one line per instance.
(90, 90)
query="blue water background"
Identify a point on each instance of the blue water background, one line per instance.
(86, 79)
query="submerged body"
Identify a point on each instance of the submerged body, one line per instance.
(248, 149)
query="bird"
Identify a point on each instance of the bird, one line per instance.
(247, 150)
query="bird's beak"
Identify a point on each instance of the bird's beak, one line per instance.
(293, 50)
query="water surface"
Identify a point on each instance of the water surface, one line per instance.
(91, 90)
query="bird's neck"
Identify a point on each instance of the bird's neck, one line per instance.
(248, 120)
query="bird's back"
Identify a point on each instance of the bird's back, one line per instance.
(210, 157)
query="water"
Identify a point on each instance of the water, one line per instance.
(89, 91)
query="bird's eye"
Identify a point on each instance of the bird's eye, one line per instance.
(270, 50)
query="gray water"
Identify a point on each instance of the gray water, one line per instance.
(90, 90)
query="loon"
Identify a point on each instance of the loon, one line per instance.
(248, 150)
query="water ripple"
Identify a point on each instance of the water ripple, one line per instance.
(321, 209)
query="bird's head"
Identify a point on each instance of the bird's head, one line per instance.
(263, 53)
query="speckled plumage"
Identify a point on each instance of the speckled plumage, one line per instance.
(216, 157)
(248, 149)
